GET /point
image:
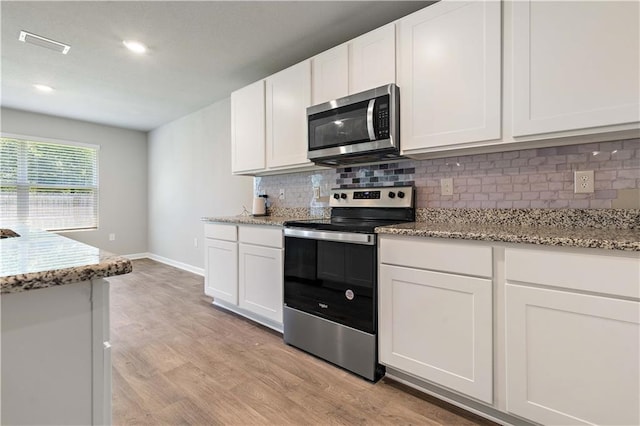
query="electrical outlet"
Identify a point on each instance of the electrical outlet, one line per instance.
(281, 194)
(112, 237)
(316, 192)
(583, 182)
(446, 186)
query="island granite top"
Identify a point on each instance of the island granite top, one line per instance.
(39, 259)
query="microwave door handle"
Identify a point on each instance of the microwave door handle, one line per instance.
(370, 128)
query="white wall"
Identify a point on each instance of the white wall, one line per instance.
(190, 177)
(122, 179)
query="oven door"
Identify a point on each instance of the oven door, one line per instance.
(332, 275)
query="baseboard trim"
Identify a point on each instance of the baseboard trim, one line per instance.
(249, 315)
(167, 261)
(136, 256)
(478, 408)
(176, 264)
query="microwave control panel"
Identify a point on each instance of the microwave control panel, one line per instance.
(383, 118)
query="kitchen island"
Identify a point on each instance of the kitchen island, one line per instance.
(55, 352)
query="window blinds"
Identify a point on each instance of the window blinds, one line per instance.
(48, 185)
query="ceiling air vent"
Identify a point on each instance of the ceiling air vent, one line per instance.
(44, 42)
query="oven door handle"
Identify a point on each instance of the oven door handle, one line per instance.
(342, 237)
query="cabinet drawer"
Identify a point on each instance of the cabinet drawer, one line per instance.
(261, 235)
(221, 232)
(443, 256)
(615, 275)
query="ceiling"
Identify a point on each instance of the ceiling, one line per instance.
(199, 52)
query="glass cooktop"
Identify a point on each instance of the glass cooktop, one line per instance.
(344, 225)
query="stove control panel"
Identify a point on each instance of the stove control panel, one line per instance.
(388, 196)
(366, 195)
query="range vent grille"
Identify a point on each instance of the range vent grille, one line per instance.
(31, 38)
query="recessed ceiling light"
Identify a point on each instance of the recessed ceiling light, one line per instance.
(135, 46)
(43, 88)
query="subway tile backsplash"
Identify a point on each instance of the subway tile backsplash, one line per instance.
(530, 178)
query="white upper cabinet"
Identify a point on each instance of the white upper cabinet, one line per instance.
(288, 96)
(331, 74)
(361, 64)
(450, 74)
(576, 65)
(372, 60)
(248, 128)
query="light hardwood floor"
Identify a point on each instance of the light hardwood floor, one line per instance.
(179, 360)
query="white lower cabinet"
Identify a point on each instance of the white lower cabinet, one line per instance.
(436, 326)
(546, 334)
(221, 265)
(572, 357)
(260, 280)
(221, 262)
(244, 270)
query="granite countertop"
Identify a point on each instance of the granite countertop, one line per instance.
(39, 259)
(603, 238)
(612, 229)
(250, 220)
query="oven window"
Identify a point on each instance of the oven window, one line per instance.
(351, 264)
(300, 259)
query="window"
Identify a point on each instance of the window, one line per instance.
(51, 186)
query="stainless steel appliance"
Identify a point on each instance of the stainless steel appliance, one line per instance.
(363, 127)
(330, 277)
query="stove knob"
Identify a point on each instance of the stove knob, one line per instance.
(336, 196)
(392, 194)
(400, 194)
(343, 196)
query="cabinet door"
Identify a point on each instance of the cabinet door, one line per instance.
(288, 96)
(221, 270)
(373, 59)
(575, 65)
(438, 327)
(47, 357)
(450, 74)
(330, 72)
(261, 281)
(248, 128)
(572, 358)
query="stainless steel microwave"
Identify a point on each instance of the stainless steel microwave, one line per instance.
(363, 127)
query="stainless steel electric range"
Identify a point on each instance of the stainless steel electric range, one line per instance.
(331, 279)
